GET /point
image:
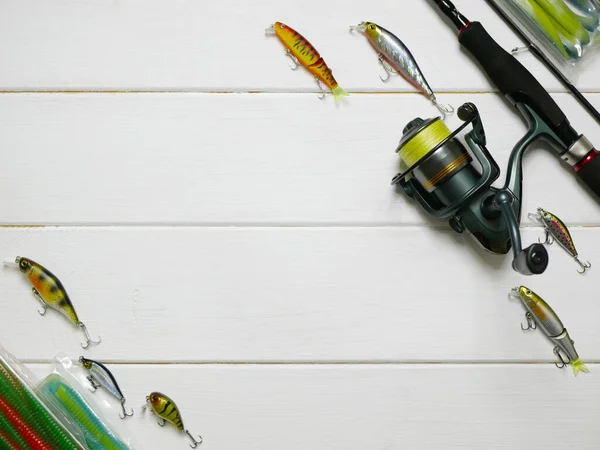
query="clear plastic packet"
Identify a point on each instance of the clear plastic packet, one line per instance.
(93, 414)
(27, 418)
(567, 31)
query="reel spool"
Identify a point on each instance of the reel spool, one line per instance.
(453, 181)
(433, 168)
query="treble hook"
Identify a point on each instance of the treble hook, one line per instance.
(195, 442)
(584, 266)
(531, 325)
(88, 339)
(562, 361)
(293, 58)
(125, 412)
(444, 109)
(43, 303)
(321, 96)
(548, 240)
(389, 70)
(94, 385)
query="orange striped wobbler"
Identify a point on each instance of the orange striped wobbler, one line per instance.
(304, 53)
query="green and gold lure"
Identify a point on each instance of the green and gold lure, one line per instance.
(51, 293)
(539, 314)
(165, 408)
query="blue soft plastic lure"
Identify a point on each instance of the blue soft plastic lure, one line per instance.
(97, 435)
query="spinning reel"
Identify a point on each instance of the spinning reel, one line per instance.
(448, 183)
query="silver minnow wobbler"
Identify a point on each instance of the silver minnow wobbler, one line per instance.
(100, 376)
(395, 57)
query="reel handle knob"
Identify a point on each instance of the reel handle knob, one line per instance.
(532, 260)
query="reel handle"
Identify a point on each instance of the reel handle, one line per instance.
(532, 260)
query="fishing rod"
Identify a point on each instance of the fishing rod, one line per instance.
(523, 90)
(546, 61)
(442, 176)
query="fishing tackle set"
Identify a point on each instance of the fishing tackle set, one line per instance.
(453, 183)
(448, 172)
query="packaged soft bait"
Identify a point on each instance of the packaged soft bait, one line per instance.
(568, 31)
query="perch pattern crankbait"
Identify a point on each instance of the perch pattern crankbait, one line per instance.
(557, 231)
(100, 376)
(50, 292)
(166, 409)
(302, 52)
(540, 314)
(395, 57)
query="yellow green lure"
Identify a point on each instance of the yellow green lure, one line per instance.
(539, 314)
(50, 292)
(165, 408)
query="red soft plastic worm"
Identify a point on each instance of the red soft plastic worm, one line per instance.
(30, 436)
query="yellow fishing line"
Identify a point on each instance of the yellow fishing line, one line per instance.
(423, 142)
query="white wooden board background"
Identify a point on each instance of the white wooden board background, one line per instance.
(237, 244)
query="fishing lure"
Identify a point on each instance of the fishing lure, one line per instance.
(25, 420)
(540, 314)
(395, 57)
(50, 292)
(557, 231)
(302, 52)
(97, 435)
(165, 408)
(590, 7)
(100, 376)
(563, 41)
(571, 22)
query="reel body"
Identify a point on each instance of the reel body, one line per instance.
(455, 183)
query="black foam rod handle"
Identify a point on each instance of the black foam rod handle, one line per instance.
(589, 171)
(509, 75)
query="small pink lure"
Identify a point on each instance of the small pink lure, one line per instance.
(557, 231)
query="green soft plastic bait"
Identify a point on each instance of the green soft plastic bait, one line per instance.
(574, 24)
(548, 26)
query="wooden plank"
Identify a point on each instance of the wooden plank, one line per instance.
(291, 294)
(378, 407)
(161, 45)
(241, 159)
